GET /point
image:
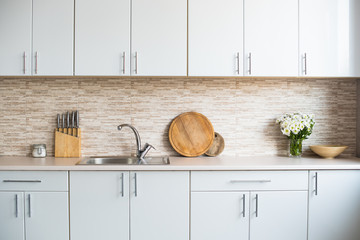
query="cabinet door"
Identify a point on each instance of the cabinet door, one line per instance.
(278, 215)
(159, 37)
(12, 215)
(271, 37)
(46, 215)
(325, 28)
(215, 50)
(53, 28)
(99, 205)
(159, 205)
(220, 215)
(15, 40)
(334, 210)
(102, 37)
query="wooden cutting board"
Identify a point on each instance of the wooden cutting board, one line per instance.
(217, 147)
(191, 134)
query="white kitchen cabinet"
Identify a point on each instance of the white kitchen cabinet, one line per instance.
(53, 28)
(271, 37)
(278, 215)
(12, 215)
(219, 215)
(329, 36)
(37, 37)
(334, 208)
(159, 205)
(15, 32)
(215, 43)
(159, 38)
(102, 37)
(99, 205)
(145, 205)
(34, 205)
(247, 205)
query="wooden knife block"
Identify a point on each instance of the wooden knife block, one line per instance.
(66, 145)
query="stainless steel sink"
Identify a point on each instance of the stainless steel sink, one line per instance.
(125, 160)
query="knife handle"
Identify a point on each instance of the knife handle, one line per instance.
(63, 124)
(58, 122)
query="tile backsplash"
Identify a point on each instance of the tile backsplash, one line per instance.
(242, 110)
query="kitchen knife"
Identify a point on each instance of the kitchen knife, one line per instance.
(63, 123)
(68, 122)
(72, 123)
(77, 122)
(58, 123)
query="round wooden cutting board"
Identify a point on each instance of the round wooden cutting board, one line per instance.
(191, 134)
(217, 147)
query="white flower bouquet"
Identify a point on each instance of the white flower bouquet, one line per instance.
(297, 127)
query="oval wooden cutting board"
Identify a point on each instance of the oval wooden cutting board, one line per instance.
(191, 134)
(217, 147)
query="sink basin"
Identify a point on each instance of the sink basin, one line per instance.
(125, 160)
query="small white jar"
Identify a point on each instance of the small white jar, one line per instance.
(39, 150)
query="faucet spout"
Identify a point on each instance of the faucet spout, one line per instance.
(137, 136)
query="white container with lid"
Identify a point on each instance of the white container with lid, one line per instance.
(39, 150)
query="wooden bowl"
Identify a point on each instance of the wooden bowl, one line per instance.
(328, 151)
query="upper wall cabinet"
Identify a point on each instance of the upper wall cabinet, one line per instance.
(329, 37)
(102, 37)
(36, 37)
(53, 37)
(15, 32)
(159, 37)
(215, 43)
(271, 38)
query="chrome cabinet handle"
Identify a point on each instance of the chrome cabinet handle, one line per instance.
(316, 184)
(243, 205)
(135, 178)
(250, 181)
(30, 212)
(24, 61)
(123, 60)
(238, 63)
(249, 63)
(21, 181)
(257, 205)
(36, 62)
(16, 205)
(305, 64)
(122, 184)
(136, 63)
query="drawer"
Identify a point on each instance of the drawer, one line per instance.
(248, 180)
(34, 180)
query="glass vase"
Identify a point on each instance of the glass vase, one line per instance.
(295, 147)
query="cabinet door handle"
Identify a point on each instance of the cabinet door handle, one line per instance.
(123, 61)
(135, 178)
(316, 184)
(238, 63)
(243, 205)
(16, 205)
(36, 62)
(305, 64)
(122, 184)
(250, 181)
(136, 63)
(257, 205)
(24, 62)
(249, 64)
(21, 181)
(30, 210)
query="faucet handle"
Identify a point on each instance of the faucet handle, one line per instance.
(146, 149)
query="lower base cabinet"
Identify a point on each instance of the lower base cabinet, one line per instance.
(116, 205)
(249, 205)
(334, 205)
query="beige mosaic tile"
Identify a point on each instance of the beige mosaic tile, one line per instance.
(242, 110)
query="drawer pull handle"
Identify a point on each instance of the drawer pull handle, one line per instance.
(22, 181)
(257, 205)
(30, 210)
(243, 206)
(251, 181)
(122, 184)
(16, 205)
(135, 178)
(316, 184)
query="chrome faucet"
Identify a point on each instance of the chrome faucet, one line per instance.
(140, 152)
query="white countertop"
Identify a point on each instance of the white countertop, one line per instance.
(225, 163)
